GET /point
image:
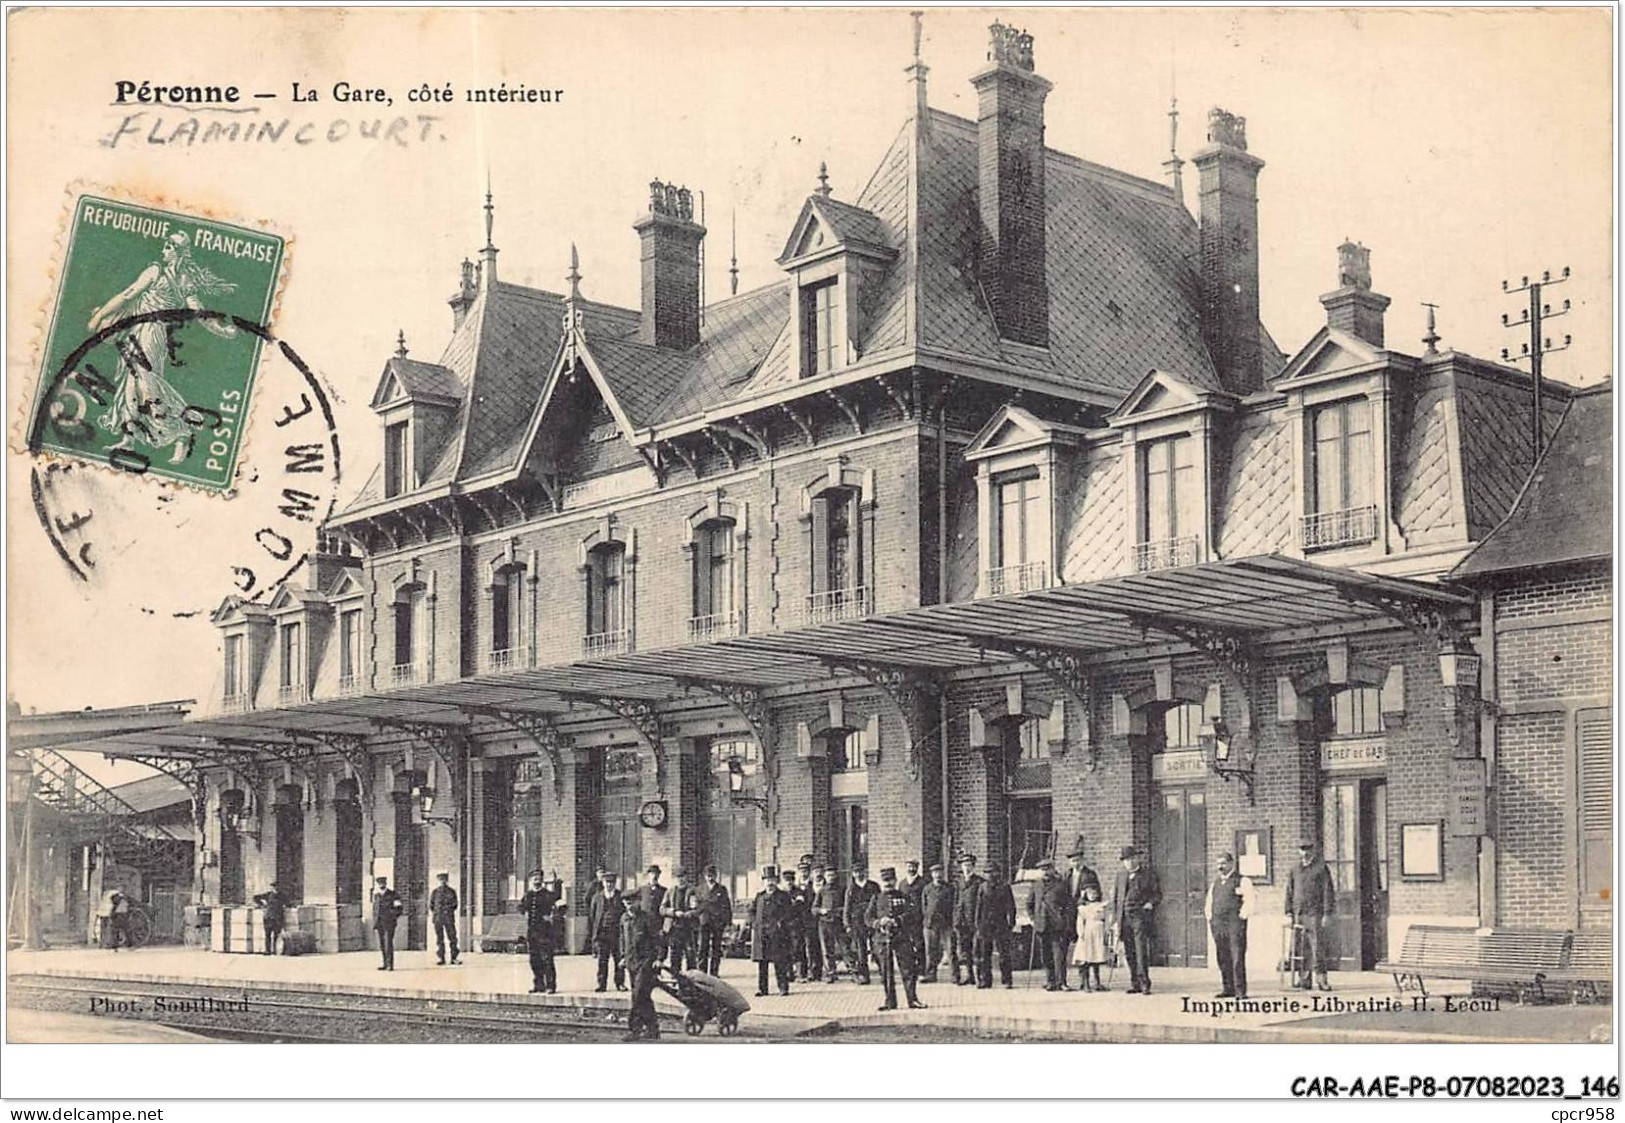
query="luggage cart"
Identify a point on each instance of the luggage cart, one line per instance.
(1293, 955)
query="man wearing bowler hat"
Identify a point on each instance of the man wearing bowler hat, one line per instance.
(1078, 878)
(1311, 902)
(1133, 910)
(771, 932)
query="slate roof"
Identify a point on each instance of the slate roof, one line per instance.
(1122, 257)
(152, 793)
(425, 379)
(1564, 513)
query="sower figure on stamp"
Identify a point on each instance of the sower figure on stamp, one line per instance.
(386, 910)
(716, 917)
(891, 919)
(1134, 903)
(680, 912)
(443, 912)
(856, 914)
(937, 919)
(995, 925)
(276, 908)
(964, 924)
(829, 908)
(1229, 905)
(770, 932)
(604, 927)
(1311, 902)
(537, 908)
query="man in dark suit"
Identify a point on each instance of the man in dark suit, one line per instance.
(994, 925)
(604, 915)
(964, 923)
(891, 920)
(829, 908)
(913, 884)
(641, 939)
(798, 896)
(858, 895)
(443, 913)
(680, 910)
(1229, 905)
(651, 893)
(716, 915)
(386, 910)
(1311, 902)
(809, 948)
(536, 906)
(1078, 878)
(276, 908)
(1135, 898)
(937, 920)
(770, 933)
(1055, 923)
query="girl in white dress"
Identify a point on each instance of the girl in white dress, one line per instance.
(1092, 947)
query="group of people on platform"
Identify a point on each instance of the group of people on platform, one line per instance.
(810, 924)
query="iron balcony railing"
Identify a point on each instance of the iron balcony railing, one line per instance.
(405, 674)
(839, 604)
(1165, 553)
(239, 703)
(350, 684)
(505, 659)
(598, 644)
(1021, 578)
(718, 625)
(293, 694)
(1352, 526)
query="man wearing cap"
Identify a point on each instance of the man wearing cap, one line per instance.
(913, 883)
(1134, 902)
(858, 895)
(1054, 915)
(443, 912)
(937, 921)
(798, 897)
(964, 923)
(1078, 878)
(809, 946)
(1311, 902)
(680, 910)
(604, 915)
(891, 919)
(770, 932)
(640, 945)
(276, 908)
(829, 908)
(386, 910)
(994, 924)
(716, 913)
(1229, 904)
(536, 906)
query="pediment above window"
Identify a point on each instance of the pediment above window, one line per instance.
(1329, 352)
(235, 611)
(1014, 429)
(346, 587)
(1161, 394)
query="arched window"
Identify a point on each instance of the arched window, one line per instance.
(715, 610)
(606, 597)
(507, 617)
(1355, 711)
(839, 591)
(846, 751)
(1182, 726)
(409, 608)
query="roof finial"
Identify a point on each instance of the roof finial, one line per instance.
(488, 275)
(919, 27)
(1432, 337)
(1173, 165)
(400, 344)
(823, 179)
(917, 70)
(574, 276)
(733, 253)
(490, 213)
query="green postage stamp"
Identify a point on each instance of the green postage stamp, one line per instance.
(149, 363)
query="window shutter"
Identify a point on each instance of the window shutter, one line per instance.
(820, 544)
(704, 539)
(1594, 738)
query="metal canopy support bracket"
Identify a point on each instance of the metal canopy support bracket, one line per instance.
(1065, 668)
(540, 729)
(644, 720)
(186, 773)
(1427, 622)
(750, 704)
(911, 692)
(449, 743)
(353, 748)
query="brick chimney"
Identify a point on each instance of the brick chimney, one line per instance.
(671, 268)
(1229, 239)
(1010, 143)
(1352, 306)
(466, 291)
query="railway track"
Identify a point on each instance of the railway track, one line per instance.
(291, 1013)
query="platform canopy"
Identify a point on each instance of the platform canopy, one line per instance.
(1251, 600)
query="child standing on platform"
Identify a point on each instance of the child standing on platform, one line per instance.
(1092, 950)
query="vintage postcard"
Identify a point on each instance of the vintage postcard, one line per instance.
(846, 526)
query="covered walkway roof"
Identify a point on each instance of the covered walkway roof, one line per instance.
(1246, 599)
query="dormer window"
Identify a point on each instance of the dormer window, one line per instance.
(1170, 503)
(1020, 540)
(1343, 512)
(291, 663)
(1017, 455)
(397, 462)
(820, 328)
(236, 676)
(349, 650)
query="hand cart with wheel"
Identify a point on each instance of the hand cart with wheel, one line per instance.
(1294, 953)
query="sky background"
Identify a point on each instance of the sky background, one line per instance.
(1461, 146)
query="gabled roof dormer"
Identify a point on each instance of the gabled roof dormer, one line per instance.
(1021, 462)
(836, 256)
(417, 403)
(1330, 352)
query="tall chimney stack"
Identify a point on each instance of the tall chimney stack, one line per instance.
(671, 268)
(1229, 239)
(1010, 143)
(1352, 306)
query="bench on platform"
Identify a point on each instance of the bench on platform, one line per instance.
(506, 932)
(1588, 967)
(1523, 958)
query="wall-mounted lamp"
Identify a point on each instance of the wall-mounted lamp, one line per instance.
(425, 795)
(1229, 756)
(736, 787)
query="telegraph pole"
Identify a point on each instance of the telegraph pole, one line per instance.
(1538, 346)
